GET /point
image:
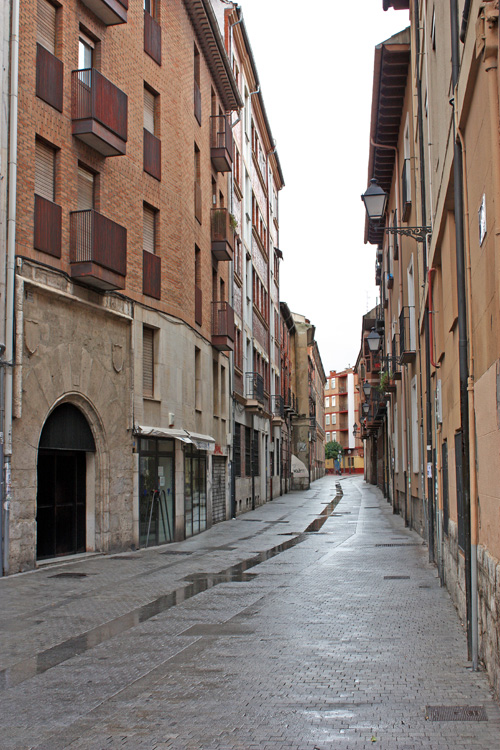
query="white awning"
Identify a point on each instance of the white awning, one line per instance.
(202, 442)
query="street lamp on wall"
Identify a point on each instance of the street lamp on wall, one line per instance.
(366, 408)
(375, 200)
(373, 340)
(355, 430)
(366, 388)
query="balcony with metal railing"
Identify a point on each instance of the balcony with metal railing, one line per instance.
(406, 190)
(254, 391)
(278, 407)
(99, 112)
(222, 234)
(222, 326)
(221, 142)
(98, 250)
(110, 12)
(407, 335)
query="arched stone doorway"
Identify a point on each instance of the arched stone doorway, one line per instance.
(65, 443)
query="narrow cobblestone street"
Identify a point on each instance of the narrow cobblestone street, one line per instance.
(257, 634)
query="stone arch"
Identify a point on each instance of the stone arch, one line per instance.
(96, 470)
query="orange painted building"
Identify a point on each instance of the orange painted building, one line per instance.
(341, 416)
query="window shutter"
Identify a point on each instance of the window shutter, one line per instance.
(46, 25)
(149, 111)
(147, 362)
(85, 190)
(148, 233)
(44, 171)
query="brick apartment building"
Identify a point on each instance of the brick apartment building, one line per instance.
(341, 417)
(258, 411)
(119, 420)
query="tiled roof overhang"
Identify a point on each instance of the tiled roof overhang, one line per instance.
(209, 37)
(396, 4)
(392, 59)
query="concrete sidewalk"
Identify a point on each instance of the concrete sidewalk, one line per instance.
(252, 635)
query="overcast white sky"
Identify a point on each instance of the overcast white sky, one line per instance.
(315, 64)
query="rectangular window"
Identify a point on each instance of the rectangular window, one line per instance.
(215, 383)
(255, 454)
(149, 111)
(46, 26)
(147, 362)
(327, 402)
(45, 160)
(150, 7)
(85, 54)
(327, 437)
(86, 191)
(149, 229)
(197, 378)
(333, 383)
(237, 450)
(414, 424)
(334, 400)
(248, 453)
(197, 85)
(197, 183)
(327, 419)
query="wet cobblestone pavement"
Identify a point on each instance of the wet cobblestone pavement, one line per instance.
(275, 631)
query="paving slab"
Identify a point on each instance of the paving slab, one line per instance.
(244, 638)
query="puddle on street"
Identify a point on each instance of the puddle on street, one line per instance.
(196, 583)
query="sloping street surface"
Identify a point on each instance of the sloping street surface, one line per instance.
(257, 634)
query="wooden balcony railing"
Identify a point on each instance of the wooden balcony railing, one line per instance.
(152, 154)
(151, 274)
(222, 326)
(221, 142)
(99, 112)
(98, 250)
(49, 78)
(47, 230)
(110, 12)
(222, 234)
(152, 37)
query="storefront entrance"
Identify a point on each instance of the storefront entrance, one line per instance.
(195, 490)
(62, 478)
(156, 492)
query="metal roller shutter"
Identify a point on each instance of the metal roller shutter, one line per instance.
(149, 111)
(148, 233)
(85, 189)
(46, 25)
(147, 362)
(44, 170)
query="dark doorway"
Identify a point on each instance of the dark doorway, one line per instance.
(62, 476)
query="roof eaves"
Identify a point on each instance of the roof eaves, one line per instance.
(208, 33)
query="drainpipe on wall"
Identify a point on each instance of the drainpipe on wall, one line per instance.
(11, 252)
(428, 400)
(462, 325)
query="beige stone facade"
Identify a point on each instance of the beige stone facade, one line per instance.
(439, 292)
